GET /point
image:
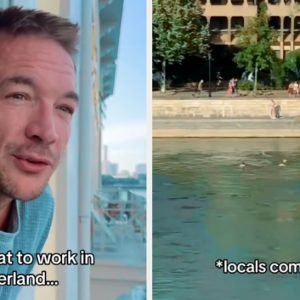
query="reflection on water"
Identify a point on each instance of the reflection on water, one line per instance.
(205, 207)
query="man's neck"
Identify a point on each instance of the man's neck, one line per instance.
(5, 212)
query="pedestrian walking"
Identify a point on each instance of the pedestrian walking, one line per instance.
(219, 79)
(199, 88)
(236, 87)
(230, 90)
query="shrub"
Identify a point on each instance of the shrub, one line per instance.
(247, 85)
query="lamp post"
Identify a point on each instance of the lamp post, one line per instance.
(209, 73)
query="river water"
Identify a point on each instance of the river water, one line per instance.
(205, 207)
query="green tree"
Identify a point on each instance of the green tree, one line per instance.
(177, 31)
(278, 74)
(254, 41)
(292, 64)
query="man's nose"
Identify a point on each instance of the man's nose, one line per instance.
(41, 127)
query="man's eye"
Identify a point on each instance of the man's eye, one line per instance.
(67, 109)
(17, 96)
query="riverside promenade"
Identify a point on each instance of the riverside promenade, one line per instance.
(182, 114)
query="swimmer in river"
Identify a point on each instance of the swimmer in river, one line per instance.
(242, 165)
(282, 163)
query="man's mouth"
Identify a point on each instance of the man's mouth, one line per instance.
(31, 163)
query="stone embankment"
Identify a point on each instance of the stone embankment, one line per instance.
(225, 118)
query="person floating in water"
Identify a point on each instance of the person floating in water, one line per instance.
(242, 164)
(282, 163)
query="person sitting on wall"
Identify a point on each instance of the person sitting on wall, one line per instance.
(296, 88)
(291, 89)
(275, 110)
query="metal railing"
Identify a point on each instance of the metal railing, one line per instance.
(119, 229)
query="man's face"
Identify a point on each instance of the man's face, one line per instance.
(37, 100)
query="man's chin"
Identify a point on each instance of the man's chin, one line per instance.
(27, 193)
(28, 197)
(24, 188)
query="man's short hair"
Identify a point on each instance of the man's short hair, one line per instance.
(17, 21)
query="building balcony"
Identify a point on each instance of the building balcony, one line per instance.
(119, 243)
(281, 10)
(229, 9)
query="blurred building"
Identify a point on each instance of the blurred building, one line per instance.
(108, 168)
(113, 169)
(123, 174)
(226, 16)
(140, 169)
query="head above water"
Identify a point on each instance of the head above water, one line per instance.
(37, 99)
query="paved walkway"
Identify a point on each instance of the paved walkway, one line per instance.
(185, 94)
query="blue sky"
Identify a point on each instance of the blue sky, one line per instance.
(125, 123)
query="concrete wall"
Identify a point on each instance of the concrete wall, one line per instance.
(235, 108)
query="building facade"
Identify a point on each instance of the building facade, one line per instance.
(226, 16)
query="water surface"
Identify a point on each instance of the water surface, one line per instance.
(206, 207)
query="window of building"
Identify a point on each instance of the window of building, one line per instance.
(274, 2)
(297, 24)
(237, 2)
(237, 22)
(274, 22)
(218, 2)
(287, 24)
(218, 23)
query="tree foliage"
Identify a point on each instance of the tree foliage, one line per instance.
(254, 41)
(292, 64)
(177, 31)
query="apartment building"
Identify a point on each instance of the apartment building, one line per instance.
(226, 16)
